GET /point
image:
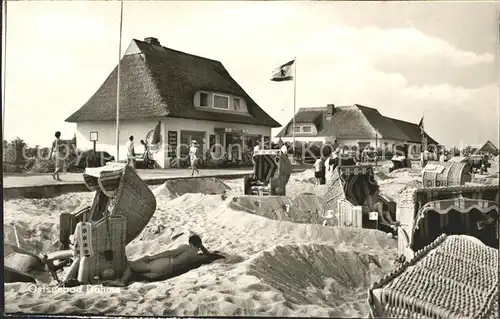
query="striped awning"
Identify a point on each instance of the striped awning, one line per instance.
(462, 205)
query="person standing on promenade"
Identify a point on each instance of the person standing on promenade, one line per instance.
(57, 151)
(131, 152)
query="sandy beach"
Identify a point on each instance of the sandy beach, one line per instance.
(272, 268)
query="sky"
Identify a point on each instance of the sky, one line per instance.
(406, 59)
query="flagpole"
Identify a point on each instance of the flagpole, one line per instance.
(4, 76)
(294, 100)
(424, 147)
(118, 87)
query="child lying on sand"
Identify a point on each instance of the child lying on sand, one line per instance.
(166, 264)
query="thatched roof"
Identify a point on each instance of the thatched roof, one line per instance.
(487, 147)
(412, 131)
(159, 82)
(356, 122)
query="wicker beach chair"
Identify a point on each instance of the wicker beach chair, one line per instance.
(122, 208)
(272, 170)
(479, 163)
(399, 162)
(436, 174)
(426, 213)
(453, 277)
(347, 191)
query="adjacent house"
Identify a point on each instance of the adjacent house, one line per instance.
(355, 125)
(487, 147)
(191, 97)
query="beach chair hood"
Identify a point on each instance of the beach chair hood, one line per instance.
(271, 164)
(349, 183)
(129, 195)
(437, 174)
(425, 213)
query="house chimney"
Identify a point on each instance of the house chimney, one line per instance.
(152, 40)
(330, 109)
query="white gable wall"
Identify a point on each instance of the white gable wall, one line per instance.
(107, 136)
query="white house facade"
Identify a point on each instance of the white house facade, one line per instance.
(182, 97)
(355, 126)
(182, 130)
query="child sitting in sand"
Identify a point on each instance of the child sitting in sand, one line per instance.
(164, 264)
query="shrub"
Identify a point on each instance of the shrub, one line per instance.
(13, 158)
(42, 165)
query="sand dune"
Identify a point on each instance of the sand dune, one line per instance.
(272, 267)
(177, 187)
(320, 276)
(302, 209)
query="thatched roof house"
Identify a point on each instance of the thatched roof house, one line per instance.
(487, 147)
(350, 125)
(193, 97)
(160, 82)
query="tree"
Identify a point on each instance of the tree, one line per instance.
(14, 158)
(454, 151)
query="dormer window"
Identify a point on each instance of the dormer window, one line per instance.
(203, 99)
(221, 102)
(302, 128)
(236, 104)
(306, 129)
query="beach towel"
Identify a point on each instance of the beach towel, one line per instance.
(83, 238)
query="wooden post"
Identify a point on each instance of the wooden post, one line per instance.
(94, 145)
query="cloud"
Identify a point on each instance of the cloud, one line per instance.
(372, 43)
(339, 65)
(443, 94)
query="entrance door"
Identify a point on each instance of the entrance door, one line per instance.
(218, 150)
(234, 145)
(362, 145)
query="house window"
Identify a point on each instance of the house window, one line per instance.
(203, 99)
(306, 129)
(297, 129)
(236, 104)
(221, 102)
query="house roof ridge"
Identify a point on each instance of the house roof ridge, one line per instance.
(316, 108)
(311, 109)
(364, 106)
(395, 119)
(181, 52)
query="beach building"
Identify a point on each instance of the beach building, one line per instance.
(191, 97)
(354, 125)
(487, 147)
